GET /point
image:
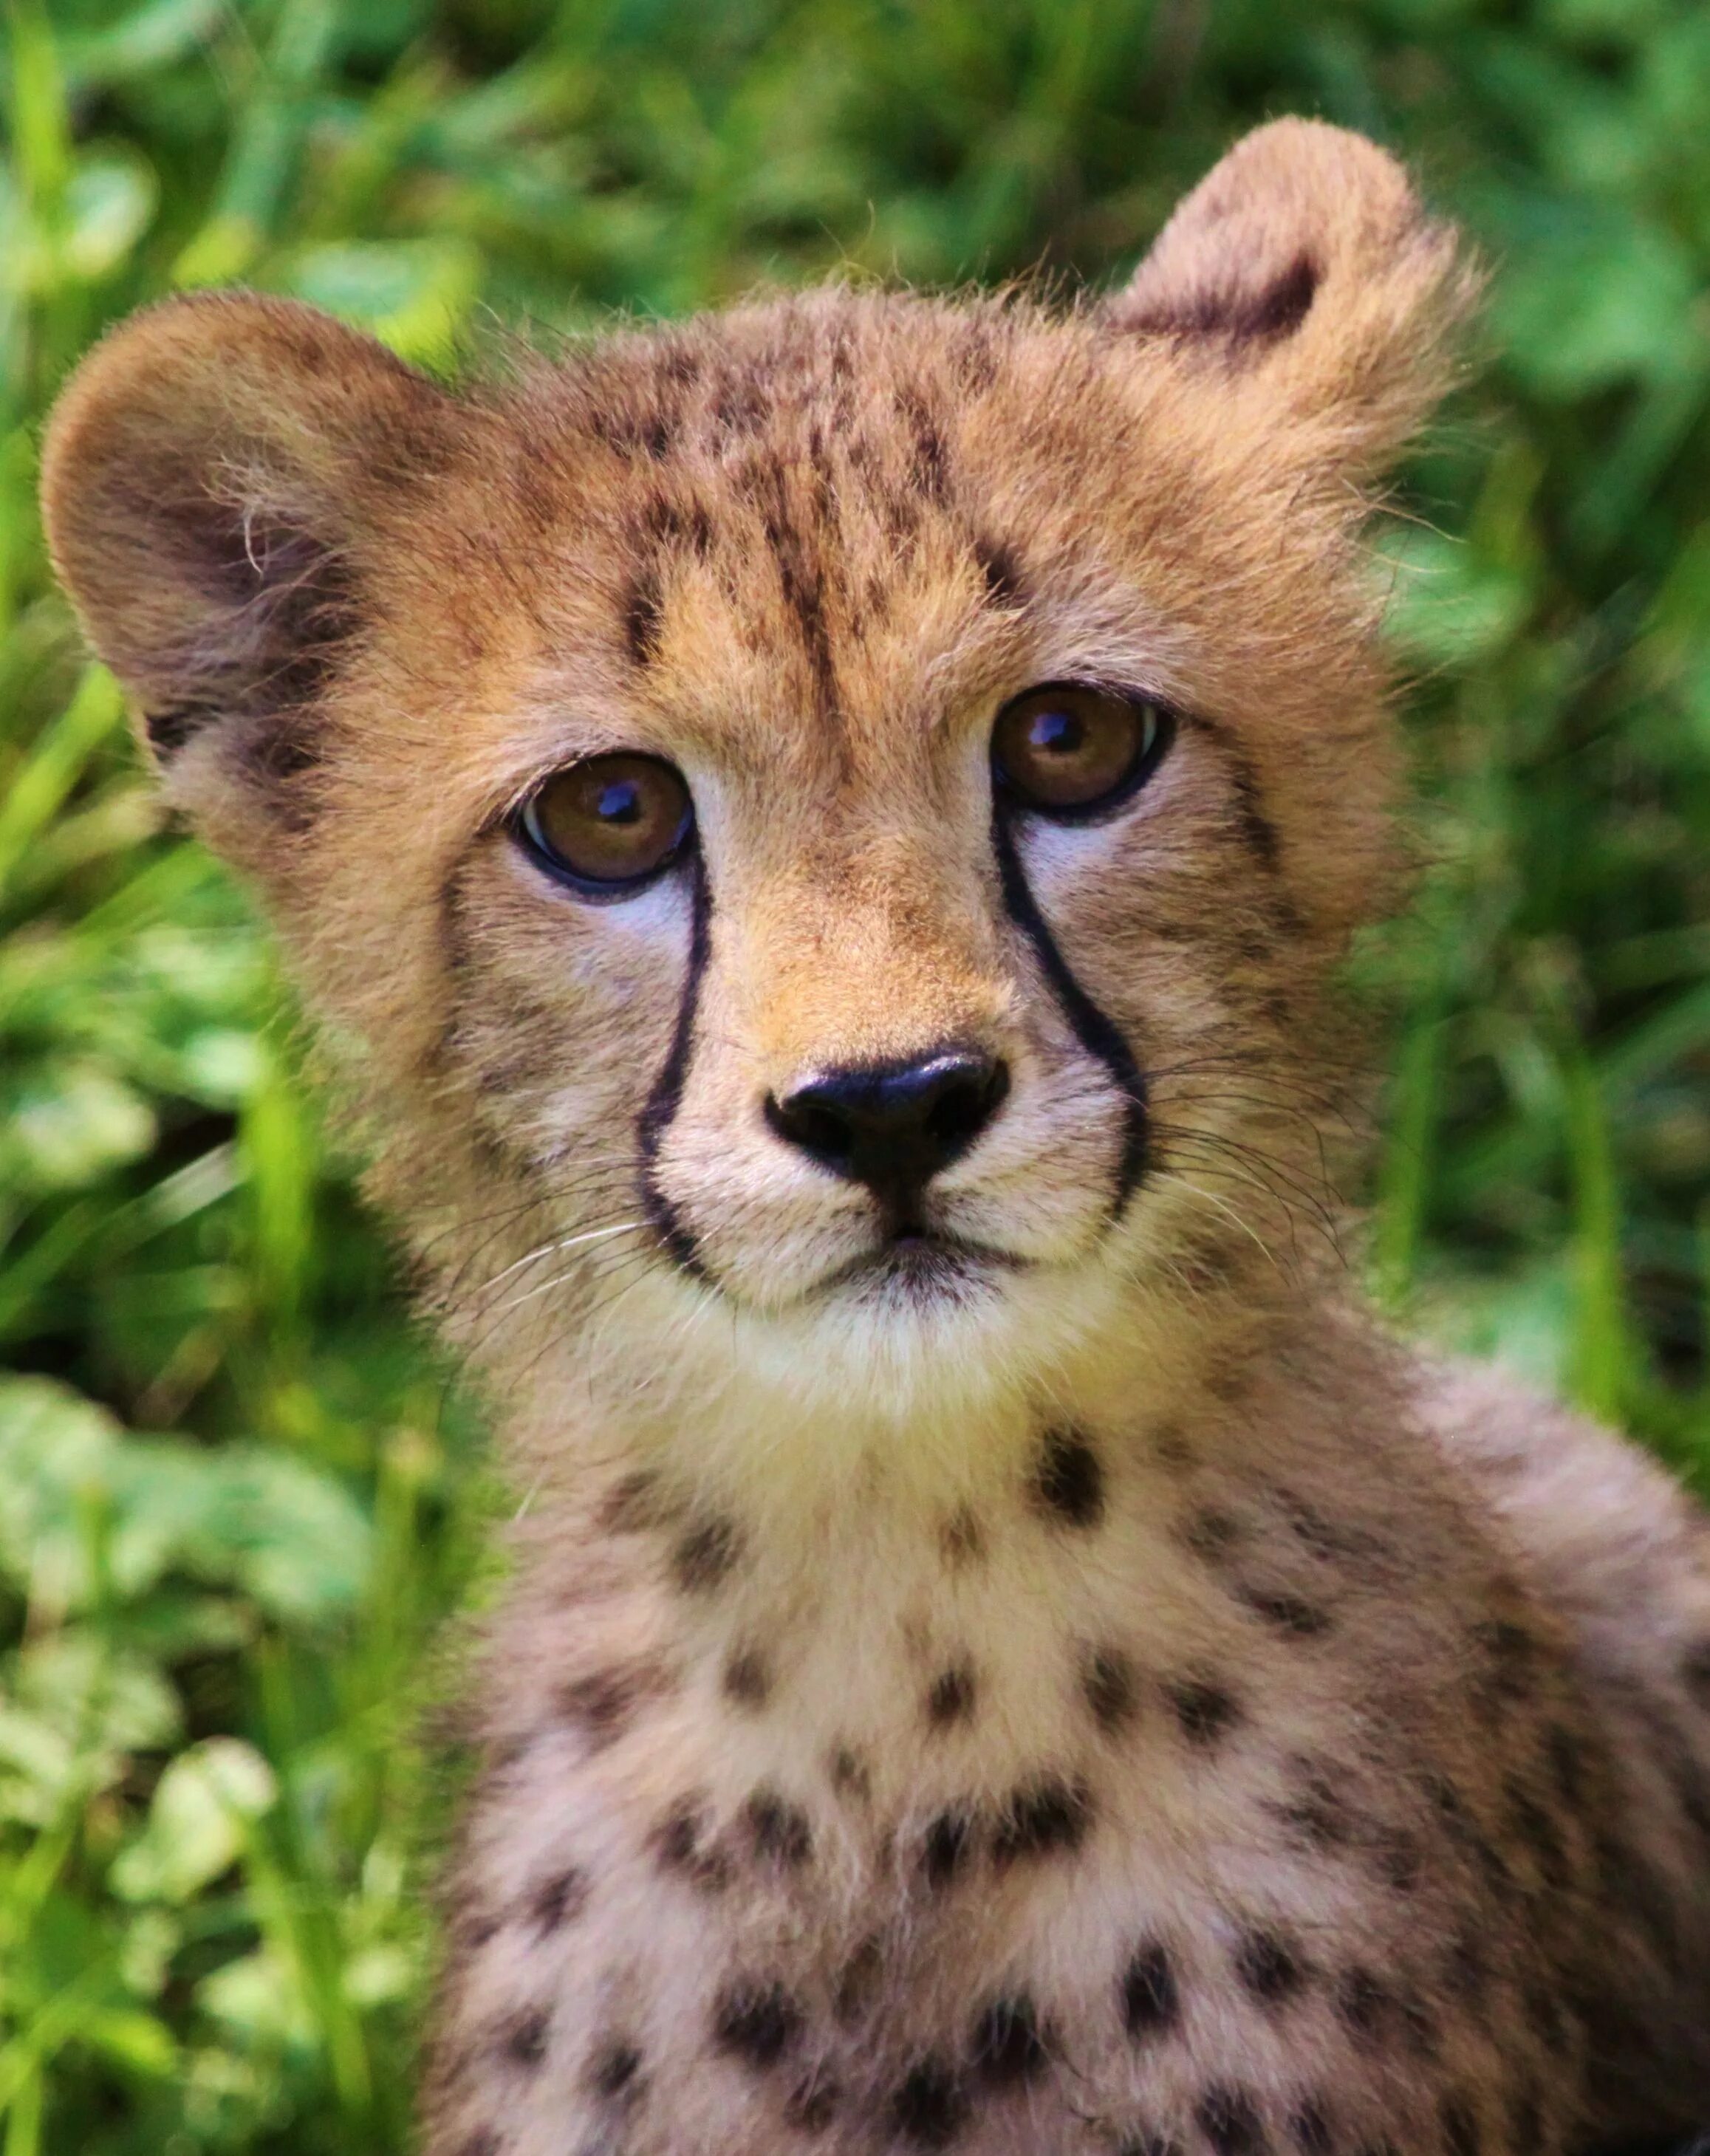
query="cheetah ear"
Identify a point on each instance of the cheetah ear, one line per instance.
(1304, 262)
(212, 481)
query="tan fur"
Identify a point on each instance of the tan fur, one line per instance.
(1114, 1699)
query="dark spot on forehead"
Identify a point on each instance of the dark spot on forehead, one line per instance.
(614, 2068)
(756, 2022)
(1000, 573)
(931, 2107)
(951, 1697)
(779, 1829)
(1269, 1965)
(1151, 1997)
(705, 1555)
(746, 1678)
(557, 1899)
(1041, 1818)
(1230, 2120)
(1068, 1480)
(1112, 1690)
(1009, 2045)
(1206, 1710)
(932, 456)
(643, 611)
(948, 1845)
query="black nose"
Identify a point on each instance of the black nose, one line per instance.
(893, 1125)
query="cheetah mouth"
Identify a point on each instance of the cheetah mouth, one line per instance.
(921, 1265)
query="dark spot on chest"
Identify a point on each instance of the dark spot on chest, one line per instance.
(931, 2107)
(1068, 1481)
(1531, 1826)
(951, 1698)
(705, 1555)
(850, 1775)
(859, 1982)
(679, 1845)
(1008, 2044)
(1462, 2132)
(557, 1900)
(1314, 1813)
(1269, 1965)
(631, 1505)
(1291, 1615)
(948, 1843)
(1109, 1687)
(603, 1704)
(962, 1537)
(812, 2104)
(1206, 1711)
(1152, 2003)
(1210, 1533)
(615, 2070)
(524, 2038)
(1041, 1819)
(756, 2022)
(1230, 2120)
(747, 1680)
(1310, 2129)
(1364, 2005)
(778, 1828)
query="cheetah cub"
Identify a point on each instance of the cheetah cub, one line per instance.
(822, 836)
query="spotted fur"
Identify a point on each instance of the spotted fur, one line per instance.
(1095, 1692)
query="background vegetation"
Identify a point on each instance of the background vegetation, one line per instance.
(214, 1644)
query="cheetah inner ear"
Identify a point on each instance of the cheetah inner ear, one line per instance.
(211, 484)
(1303, 262)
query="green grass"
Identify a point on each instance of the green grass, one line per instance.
(214, 1822)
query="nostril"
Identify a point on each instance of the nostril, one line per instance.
(962, 1110)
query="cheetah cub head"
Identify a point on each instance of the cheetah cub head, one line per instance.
(822, 832)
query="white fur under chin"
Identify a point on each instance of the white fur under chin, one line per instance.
(943, 1390)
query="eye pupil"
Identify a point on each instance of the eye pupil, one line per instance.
(1065, 750)
(1059, 733)
(619, 803)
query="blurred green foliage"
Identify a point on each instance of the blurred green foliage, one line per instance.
(213, 1646)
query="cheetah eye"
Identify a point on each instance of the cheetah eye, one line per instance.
(608, 825)
(1067, 750)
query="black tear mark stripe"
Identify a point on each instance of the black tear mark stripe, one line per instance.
(667, 1091)
(1098, 1035)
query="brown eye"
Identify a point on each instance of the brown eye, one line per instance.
(612, 821)
(1063, 749)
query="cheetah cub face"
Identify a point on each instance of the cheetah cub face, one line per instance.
(823, 830)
